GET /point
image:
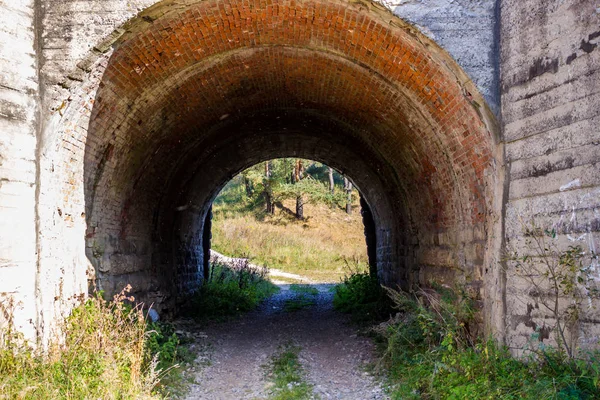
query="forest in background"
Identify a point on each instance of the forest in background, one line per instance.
(296, 215)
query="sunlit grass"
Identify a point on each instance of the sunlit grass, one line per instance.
(319, 247)
(109, 351)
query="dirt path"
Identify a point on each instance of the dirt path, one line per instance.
(333, 355)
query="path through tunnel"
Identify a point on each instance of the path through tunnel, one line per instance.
(196, 92)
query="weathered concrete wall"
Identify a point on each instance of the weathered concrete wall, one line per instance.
(73, 37)
(551, 114)
(18, 143)
(464, 28)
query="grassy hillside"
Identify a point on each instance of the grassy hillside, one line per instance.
(319, 247)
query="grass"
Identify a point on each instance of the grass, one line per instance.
(317, 247)
(304, 298)
(109, 351)
(287, 375)
(284, 279)
(431, 350)
(230, 291)
(298, 303)
(304, 289)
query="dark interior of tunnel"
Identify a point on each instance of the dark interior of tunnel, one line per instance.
(179, 229)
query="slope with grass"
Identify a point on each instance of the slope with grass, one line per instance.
(319, 247)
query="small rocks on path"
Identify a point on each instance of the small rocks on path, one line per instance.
(333, 355)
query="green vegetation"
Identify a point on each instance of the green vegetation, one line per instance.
(304, 289)
(298, 303)
(109, 352)
(316, 246)
(287, 375)
(305, 296)
(362, 296)
(553, 276)
(171, 352)
(229, 291)
(431, 350)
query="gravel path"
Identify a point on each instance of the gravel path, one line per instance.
(333, 355)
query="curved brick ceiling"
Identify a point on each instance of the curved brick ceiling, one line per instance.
(183, 72)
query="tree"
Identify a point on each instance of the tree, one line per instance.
(298, 175)
(267, 185)
(348, 190)
(268, 193)
(331, 181)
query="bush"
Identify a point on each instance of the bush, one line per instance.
(106, 353)
(432, 353)
(168, 352)
(230, 290)
(362, 296)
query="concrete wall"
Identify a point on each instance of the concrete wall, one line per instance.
(464, 28)
(18, 144)
(551, 112)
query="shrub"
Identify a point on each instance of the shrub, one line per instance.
(230, 290)
(362, 296)
(104, 354)
(431, 353)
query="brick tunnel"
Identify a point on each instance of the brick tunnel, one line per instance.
(195, 93)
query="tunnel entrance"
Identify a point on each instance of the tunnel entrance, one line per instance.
(301, 218)
(194, 93)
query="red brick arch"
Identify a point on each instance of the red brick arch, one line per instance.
(189, 84)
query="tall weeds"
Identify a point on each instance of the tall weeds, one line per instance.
(229, 291)
(103, 355)
(362, 296)
(433, 351)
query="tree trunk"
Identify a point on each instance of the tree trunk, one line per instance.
(248, 185)
(269, 206)
(348, 189)
(299, 207)
(298, 175)
(331, 181)
(298, 171)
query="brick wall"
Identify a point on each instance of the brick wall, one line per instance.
(178, 74)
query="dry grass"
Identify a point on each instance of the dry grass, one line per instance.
(318, 247)
(103, 355)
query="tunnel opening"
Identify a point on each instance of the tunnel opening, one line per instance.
(301, 218)
(192, 95)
